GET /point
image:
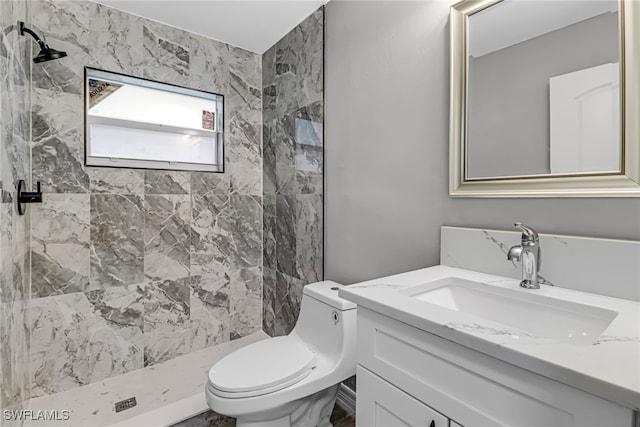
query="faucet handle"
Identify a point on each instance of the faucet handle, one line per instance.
(528, 233)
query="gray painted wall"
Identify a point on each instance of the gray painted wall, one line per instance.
(386, 157)
(509, 94)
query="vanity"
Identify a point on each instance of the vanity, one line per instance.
(463, 344)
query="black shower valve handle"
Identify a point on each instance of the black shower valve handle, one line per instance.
(28, 196)
(31, 196)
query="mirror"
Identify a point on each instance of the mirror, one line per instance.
(544, 99)
(137, 123)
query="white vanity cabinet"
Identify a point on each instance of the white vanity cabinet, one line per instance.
(407, 376)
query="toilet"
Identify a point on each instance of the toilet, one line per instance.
(291, 380)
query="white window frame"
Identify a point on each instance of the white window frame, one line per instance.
(120, 162)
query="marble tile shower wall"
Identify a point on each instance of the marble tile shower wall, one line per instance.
(14, 229)
(129, 267)
(293, 85)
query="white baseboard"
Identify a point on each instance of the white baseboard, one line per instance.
(346, 399)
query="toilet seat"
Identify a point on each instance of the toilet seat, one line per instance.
(262, 367)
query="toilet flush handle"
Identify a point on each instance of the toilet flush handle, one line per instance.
(335, 316)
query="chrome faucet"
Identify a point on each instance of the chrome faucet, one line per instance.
(528, 253)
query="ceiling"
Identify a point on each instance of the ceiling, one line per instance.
(255, 25)
(514, 21)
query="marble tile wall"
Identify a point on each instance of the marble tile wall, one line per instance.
(131, 268)
(14, 229)
(292, 85)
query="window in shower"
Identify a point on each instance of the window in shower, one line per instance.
(137, 123)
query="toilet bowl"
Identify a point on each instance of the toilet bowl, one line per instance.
(290, 380)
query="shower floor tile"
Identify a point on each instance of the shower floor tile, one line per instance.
(165, 385)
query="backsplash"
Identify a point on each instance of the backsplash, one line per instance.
(131, 268)
(293, 128)
(601, 266)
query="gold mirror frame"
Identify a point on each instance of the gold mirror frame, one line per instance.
(622, 184)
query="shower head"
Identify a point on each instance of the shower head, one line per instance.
(46, 53)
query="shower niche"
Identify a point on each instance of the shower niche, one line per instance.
(132, 122)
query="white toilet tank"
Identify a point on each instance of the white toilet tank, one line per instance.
(327, 323)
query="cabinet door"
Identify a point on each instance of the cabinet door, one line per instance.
(380, 404)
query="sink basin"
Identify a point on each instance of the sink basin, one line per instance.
(522, 311)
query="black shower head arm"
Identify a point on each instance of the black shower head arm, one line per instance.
(22, 29)
(46, 53)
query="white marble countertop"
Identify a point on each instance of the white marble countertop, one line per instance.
(608, 368)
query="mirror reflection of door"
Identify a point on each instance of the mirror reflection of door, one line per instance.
(585, 119)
